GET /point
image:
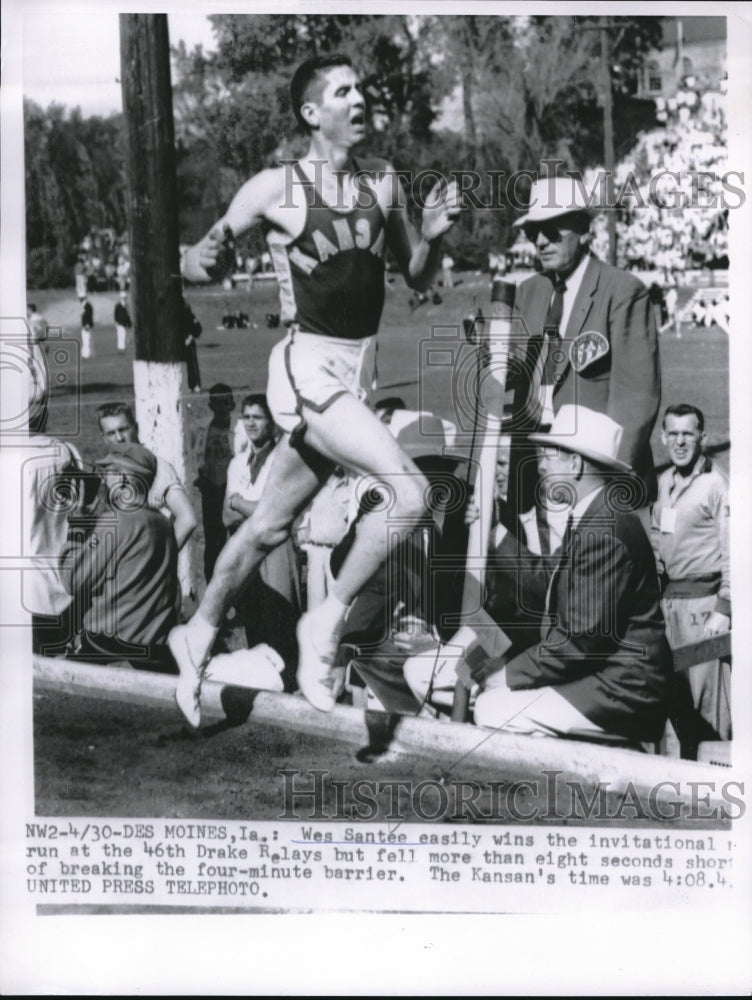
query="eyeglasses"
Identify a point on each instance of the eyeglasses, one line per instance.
(549, 229)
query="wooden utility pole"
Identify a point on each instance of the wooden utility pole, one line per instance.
(608, 138)
(156, 284)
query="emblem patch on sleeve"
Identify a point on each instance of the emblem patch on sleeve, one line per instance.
(587, 348)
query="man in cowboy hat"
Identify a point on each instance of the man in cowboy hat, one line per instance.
(591, 337)
(602, 663)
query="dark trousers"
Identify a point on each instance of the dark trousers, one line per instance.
(270, 617)
(381, 669)
(52, 634)
(191, 361)
(112, 649)
(215, 533)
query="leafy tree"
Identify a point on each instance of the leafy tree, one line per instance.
(74, 182)
(529, 92)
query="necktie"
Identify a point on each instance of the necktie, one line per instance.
(555, 355)
(565, 560)
(255, 461)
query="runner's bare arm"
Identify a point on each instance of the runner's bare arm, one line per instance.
(418, 254)
(257, 199)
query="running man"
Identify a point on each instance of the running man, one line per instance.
(329, 219)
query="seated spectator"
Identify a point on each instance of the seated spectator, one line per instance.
(125, 568)
(401, 611)
(432, 675)
(322, 526)
(39, 377)
(602, 663)
(52, 489)
(53, 486)
(270, 603)
(167, 494)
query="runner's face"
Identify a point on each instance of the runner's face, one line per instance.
(682, 437)
(341, 107)
(258, 427)
(118, 430)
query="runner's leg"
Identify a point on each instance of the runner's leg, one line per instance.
(350, 434)
(294, 477)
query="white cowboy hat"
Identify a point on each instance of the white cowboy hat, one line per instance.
(423, 435)
(586, 432)
(556, 196)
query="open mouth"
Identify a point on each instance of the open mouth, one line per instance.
(358, 119)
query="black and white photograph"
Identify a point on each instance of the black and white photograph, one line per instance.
(375, 553)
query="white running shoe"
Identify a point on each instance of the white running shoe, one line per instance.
(316, 656)
(258, 669)
(188, 688)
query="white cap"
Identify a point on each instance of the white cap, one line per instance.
(555, 196)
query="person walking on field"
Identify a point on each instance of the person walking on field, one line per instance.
(191, 330)
(123, 322)
(330, 218)
(87, 329)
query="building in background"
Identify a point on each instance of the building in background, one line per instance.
(693, 47)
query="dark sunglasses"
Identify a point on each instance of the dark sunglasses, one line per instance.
(549, 229)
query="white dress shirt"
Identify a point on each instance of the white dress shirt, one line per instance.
(573, 283)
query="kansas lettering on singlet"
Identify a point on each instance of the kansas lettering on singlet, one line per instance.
(331, 277)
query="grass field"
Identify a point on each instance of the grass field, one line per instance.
(114, 760)
(694, 368)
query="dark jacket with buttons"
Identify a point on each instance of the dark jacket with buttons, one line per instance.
(602, 643)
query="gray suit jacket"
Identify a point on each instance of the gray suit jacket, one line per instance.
(624, 382)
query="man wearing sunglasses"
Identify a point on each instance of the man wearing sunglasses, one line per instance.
(591, 338)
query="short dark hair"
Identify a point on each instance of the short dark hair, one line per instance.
(685, 410)
(309, 73)
(32, 307)
(221, 397)
(257, 399)
(115, 410)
